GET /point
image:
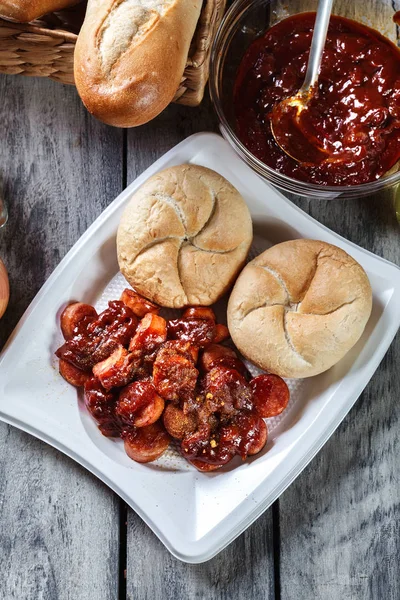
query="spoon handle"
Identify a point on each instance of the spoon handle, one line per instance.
(3, 212)
(317, 44)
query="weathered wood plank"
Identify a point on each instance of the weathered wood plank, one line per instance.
(245, 569)
(59, 526)
(339, 521)
(149, 142)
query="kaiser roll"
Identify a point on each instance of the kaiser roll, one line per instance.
(184, 237)
(298, 307)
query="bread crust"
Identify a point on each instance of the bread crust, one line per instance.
(129, 58)
(184, 236)
(24, 11)
(299, 307)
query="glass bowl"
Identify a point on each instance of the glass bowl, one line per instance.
(247, 20)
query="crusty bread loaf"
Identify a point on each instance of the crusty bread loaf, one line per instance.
(299, 307)
(130, 56)
(24, 11)
(184, 236)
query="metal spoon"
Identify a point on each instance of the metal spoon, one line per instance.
(285, 115)
(3, 213)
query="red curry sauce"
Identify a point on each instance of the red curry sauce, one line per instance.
(353, 113)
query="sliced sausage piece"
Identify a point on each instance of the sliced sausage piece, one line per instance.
(147, 443)
(101, 405)
(199, 332)
(138, 304)
(245, 435)
(139, 404)
(115, 371)
(177, 423)
(221, 333)
(114, 327)
(174, 375)
(227, 391)
(203, 466)
(180, 347)
(204, 448)
(76, 317)
(72, 374)
(259, 437)
(270, 395)
(151, 332)
(217, 355)
(151, 413)
(132, 398)
(199, 312)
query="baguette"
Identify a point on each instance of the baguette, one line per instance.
(130, 57)
(24, 11)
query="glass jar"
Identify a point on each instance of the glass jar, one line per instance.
(245, 21)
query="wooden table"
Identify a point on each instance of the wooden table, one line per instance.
(333, 535)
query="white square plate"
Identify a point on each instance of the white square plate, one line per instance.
(195, 515)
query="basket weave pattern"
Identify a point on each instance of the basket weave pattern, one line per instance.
(45, 48)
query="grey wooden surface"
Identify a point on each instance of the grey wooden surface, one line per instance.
(334, 534)
(59, 526)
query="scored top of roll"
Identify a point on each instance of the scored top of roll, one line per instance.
(184, 236)
(299, 307)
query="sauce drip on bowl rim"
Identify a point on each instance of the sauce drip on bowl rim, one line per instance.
(353, 117)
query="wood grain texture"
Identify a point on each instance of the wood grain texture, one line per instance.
(59, 526)
(59, 537)
(340, 534)
(339, 521)
(146, 144)
(246, 568)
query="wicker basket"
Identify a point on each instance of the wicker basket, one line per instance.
(45, 48)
